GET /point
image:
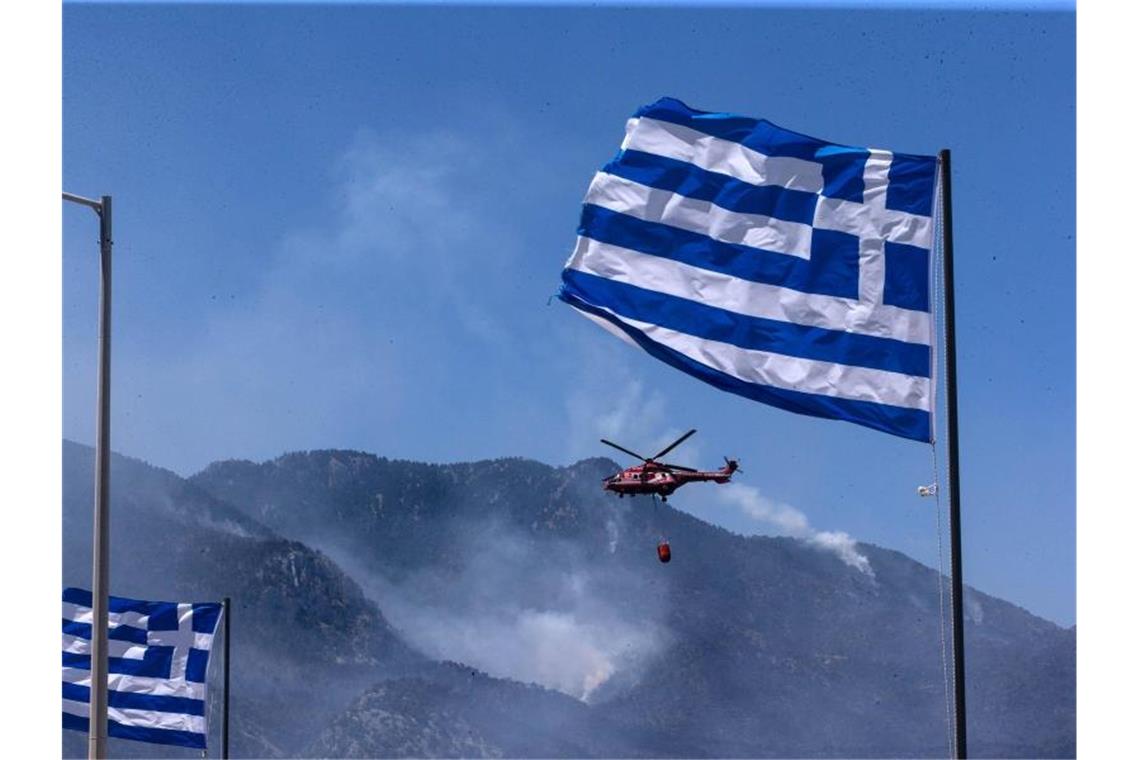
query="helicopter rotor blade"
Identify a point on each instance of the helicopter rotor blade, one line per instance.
(673, 445)
(622, 448)
(675, 467)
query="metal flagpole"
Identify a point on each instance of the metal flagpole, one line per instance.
(952, 445)
(100, 571)
(226, 681)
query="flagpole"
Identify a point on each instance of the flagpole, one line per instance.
(100, 571)
(952, 445)
(226, 680)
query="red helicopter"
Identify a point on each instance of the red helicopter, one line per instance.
(660, 478)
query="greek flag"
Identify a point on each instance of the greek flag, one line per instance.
(157, 658)
(777, 266)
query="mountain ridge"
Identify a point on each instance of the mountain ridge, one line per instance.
(590, 465)
(721, 589)
(520, 572)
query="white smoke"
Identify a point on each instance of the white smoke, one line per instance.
(572, 651)
(974, 610)
(843, 545)
(792, 522)
(610, 402)
(396, 225)
(613, 532)
(629, 411)
(549, 618)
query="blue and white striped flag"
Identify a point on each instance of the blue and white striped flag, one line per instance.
(157, 658)
(770, 264)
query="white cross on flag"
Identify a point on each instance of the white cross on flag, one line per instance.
(777, 266)
(158, 653)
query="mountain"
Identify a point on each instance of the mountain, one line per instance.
(452, 710)
(508, 608)
(740, 647)
(298, 619)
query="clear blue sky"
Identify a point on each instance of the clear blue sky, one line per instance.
(340, 226)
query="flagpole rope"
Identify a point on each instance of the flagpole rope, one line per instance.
(942, 606)
(937, 287)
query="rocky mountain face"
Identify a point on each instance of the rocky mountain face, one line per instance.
(509, 609)
(451, 710)
(739, 647)
(305, 639)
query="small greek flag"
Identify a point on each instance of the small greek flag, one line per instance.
(157, 658)
(770, 264)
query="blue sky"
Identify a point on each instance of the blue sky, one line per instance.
(340, 227)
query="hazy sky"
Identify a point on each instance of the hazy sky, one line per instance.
(339, 227)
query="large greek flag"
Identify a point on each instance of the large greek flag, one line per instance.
(777, 266)
(157, 657)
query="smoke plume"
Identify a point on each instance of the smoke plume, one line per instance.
(792, 522)
(513, 607)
